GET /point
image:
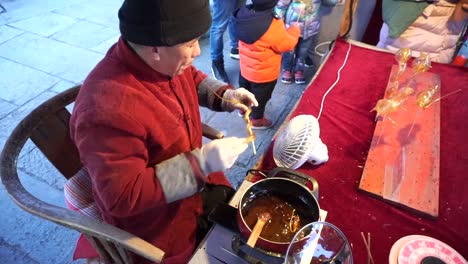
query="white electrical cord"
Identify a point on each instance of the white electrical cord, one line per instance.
(316, 50)
(337, 80)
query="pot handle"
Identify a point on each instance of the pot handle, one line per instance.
(296, 176)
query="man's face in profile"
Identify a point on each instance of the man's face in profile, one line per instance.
(176, 59)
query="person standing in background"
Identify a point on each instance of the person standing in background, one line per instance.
(222, 19)
(262, 39)
(433, 28)
(306, 14)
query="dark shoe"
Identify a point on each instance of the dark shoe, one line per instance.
(261, 123)
(217, 69)
(287, 77)
(299, 77)
(234, 53)
(308, 62)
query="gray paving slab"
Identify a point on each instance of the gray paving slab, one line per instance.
(85, 34)
(44, 241)
(21, 9)
(10, 121)
(103, 12)
(104, 46)
(61, 86)
(14, 254)
(33, 164)
(60, 59)
(8, 32)
(17, 89)
(45, 24)
(5, 108)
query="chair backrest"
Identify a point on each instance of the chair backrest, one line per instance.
(47, 127)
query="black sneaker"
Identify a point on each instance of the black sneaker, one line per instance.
(217, 69)
(308, 62)
(234, 53)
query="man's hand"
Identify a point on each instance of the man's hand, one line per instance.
(220, 154)
(240, 99)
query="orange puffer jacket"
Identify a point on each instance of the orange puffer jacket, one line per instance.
(261, 61)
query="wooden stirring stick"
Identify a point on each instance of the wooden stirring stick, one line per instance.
(261, 221)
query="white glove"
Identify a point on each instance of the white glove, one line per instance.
(220, 154)
(238, 99)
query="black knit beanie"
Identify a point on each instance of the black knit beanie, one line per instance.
(163, 22)
(261, 5)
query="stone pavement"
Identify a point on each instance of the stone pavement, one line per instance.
(47, 47)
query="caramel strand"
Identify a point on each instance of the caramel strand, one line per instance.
(294, 222)
(250, 133)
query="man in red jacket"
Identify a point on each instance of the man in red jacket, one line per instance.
(136, 124)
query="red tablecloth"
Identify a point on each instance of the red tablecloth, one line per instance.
(347, 126)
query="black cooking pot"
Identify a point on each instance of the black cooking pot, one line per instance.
(289, 186)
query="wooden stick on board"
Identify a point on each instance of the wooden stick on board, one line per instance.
(369, 255)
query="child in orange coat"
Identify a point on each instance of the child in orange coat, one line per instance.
(262, 40)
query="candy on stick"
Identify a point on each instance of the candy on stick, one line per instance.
(250, 133)
(389, 105)
(426, 97)
(402, 56)
(422, 63)
(395, 96)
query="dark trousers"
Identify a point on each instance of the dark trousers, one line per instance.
(211, 196)
(262, 92)
(294, 61)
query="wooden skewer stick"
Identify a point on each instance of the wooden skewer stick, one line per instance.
(369, 255)
(368, 244)
(261, 221)
(299, 15)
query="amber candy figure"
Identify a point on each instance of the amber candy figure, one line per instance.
(402, 56)
(396, 96)
(427, 96)
(422, 63)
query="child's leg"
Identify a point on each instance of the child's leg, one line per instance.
(302, 53)
(262, 92)
(287, 63)
(311, 51)
(244, 83)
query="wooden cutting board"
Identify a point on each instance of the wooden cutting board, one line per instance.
(402, 165)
